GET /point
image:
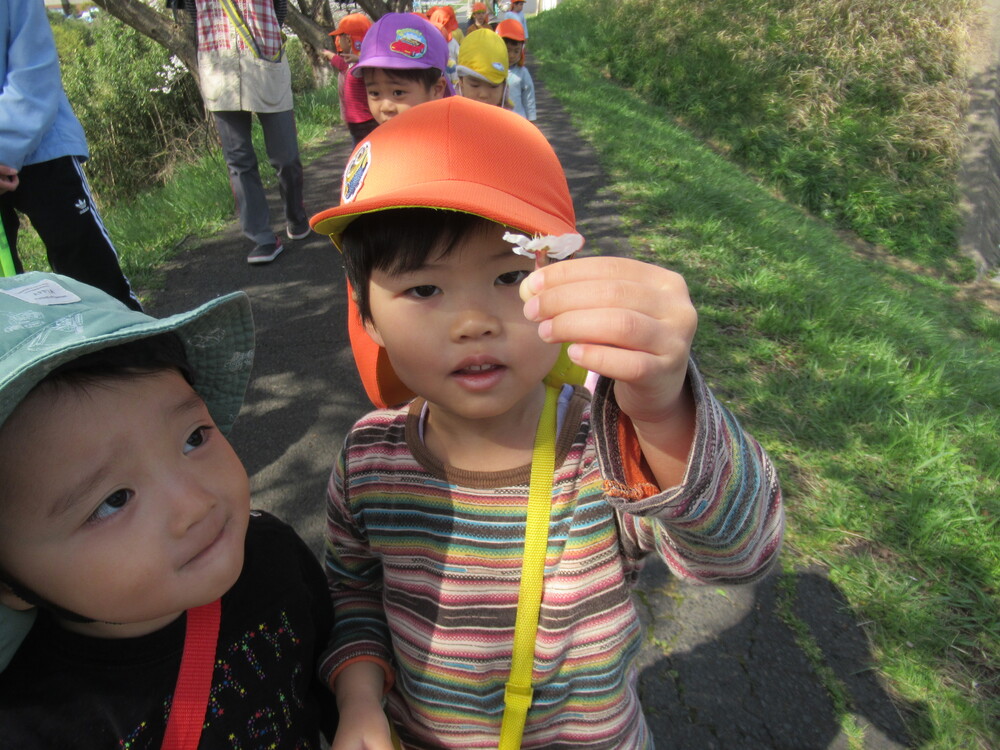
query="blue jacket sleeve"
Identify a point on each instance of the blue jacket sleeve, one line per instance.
(528, 84)
(32, 85)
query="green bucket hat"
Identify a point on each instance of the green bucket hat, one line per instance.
(47, 320)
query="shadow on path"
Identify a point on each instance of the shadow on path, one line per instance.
(721, 669)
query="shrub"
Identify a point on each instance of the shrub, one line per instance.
(851, 108)
(139, 108)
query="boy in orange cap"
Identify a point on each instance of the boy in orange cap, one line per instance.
(517, 13)
(347, 38)
(520, 86)
(439, 509)
(480, 18)
(445, 14)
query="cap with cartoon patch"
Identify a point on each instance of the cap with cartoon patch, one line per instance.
(403, 41)
(430, 157)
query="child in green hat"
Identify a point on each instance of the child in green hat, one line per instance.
(165, 607)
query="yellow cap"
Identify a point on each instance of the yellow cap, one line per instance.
(483, 54)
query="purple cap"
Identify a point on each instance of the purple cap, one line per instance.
(403, 40)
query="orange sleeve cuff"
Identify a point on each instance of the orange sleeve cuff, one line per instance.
(390, 673)
(639, 479)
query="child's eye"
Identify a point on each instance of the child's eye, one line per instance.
(196, 439)
(113, 503)
(423, 291)
(399, 93)
(511, 278)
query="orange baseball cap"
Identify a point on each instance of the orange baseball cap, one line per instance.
(355, 25)
(479, 7)
(511, 28)
(430, 157)
(444, 14)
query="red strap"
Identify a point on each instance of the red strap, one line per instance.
(194, 681)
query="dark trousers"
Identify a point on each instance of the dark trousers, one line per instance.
(282, 146)
(55, 196)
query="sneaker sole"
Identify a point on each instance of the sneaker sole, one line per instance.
(258, 259)
(298, 236)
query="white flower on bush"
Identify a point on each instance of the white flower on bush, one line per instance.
(171, 71)
(552, 246)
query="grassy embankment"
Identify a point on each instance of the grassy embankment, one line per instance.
(868, 372)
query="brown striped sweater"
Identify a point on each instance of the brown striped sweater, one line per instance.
(424, 563)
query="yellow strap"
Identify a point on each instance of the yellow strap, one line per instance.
(517, 696)
(236, 18)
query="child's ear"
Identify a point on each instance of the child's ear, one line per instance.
(438, 89)
(11, 600)
(373, 333)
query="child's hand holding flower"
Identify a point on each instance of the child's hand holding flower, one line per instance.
(633, 322)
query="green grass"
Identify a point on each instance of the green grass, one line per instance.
(849, 108)
(196, 200)
(874, 385)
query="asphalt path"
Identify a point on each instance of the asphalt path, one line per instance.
(720, 667)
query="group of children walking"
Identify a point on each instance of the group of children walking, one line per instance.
(485, 525)
(408, 58)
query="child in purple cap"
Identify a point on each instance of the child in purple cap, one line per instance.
(403, 60)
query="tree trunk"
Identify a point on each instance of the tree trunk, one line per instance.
(67, 7)
(177, 36)
(176, 32)
(374, 8)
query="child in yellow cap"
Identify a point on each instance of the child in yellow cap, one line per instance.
(482, 68)
(482, 539)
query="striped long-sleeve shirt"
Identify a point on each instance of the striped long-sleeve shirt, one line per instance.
(424, 564)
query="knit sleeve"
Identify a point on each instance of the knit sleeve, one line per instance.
(724, 522)
(354, 576)
(339, 63)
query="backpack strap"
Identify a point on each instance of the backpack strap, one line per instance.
(240, 24)
(194, 680)
(518, 691)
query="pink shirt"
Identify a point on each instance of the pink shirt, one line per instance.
(353, 93)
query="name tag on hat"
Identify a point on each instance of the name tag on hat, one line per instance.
(45, 292)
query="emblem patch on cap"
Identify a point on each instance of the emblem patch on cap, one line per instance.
(409, 43)
(355, 172)
(498, 67)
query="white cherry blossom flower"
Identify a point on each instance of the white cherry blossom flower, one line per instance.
(553, 246)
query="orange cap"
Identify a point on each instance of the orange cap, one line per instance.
(355, 25)
(444, 14)
(477, 7)
(442, 28)
(511, 28)
(430, 157)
